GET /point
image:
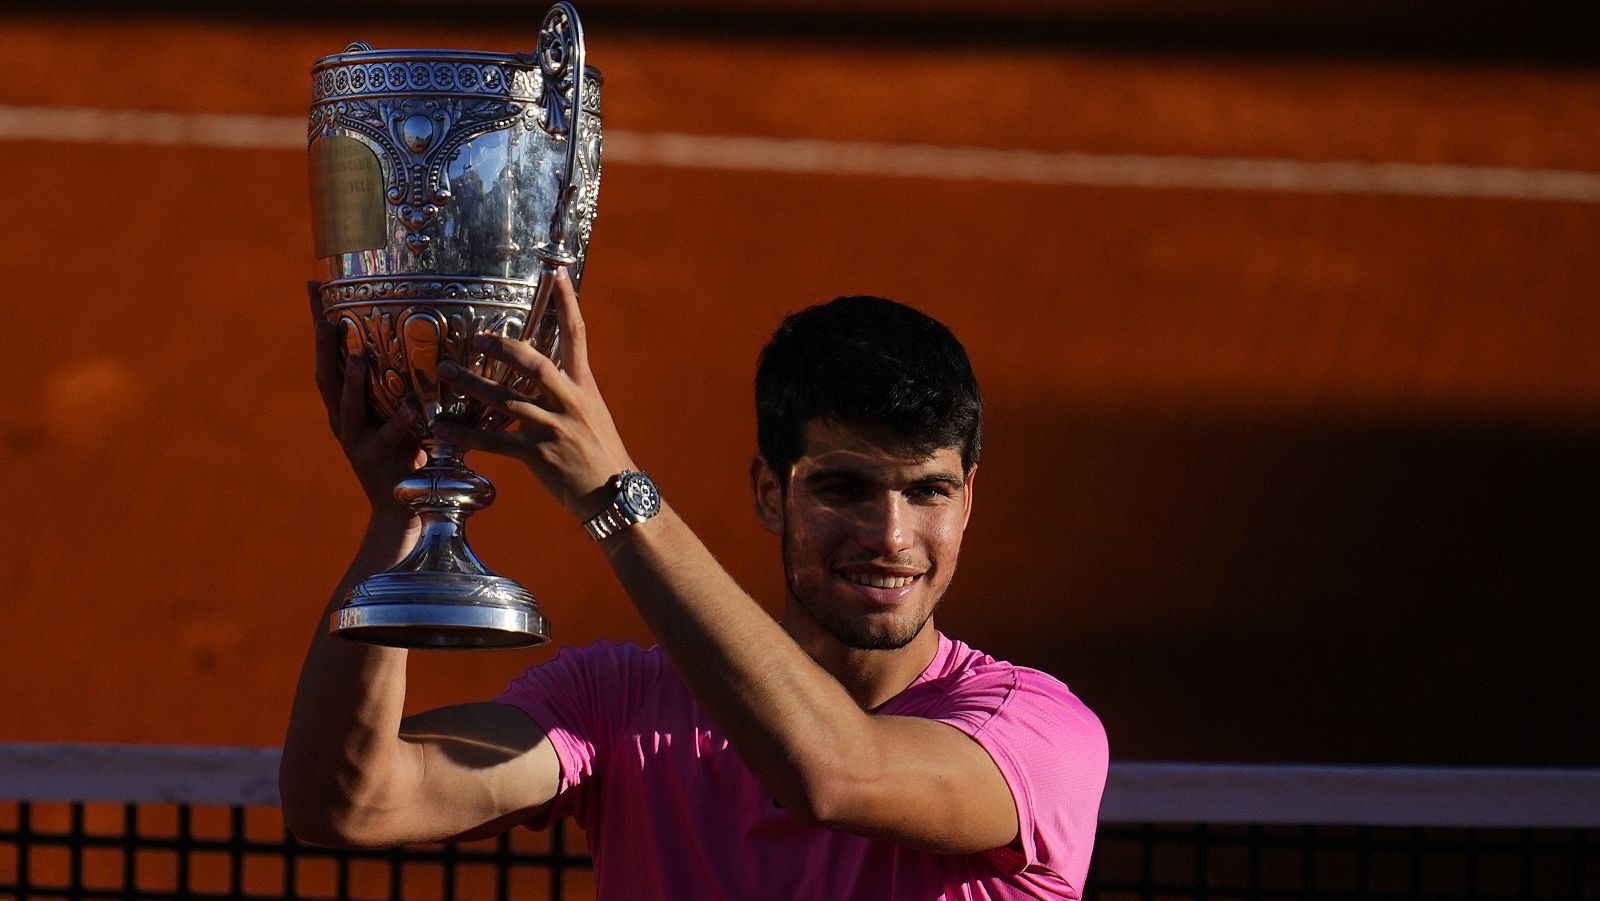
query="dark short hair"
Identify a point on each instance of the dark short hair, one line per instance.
(866, 361)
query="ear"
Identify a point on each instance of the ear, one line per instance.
(766, 495)
(966, 500)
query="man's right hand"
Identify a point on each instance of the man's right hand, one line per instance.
(380, 455)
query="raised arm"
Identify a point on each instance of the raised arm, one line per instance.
(915, 781)
(355, 773)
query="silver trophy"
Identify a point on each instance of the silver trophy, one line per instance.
(446, 188)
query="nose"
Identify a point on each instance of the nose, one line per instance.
(884, 526)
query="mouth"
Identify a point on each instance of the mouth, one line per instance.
(874, 580)
(880, 587)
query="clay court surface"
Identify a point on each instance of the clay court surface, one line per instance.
(1294, 399)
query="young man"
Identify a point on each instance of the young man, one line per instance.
(850, 751)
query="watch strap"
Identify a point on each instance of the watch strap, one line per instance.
(608, 522)
(619, 514)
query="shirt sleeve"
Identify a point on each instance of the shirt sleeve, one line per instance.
(583, 700)
(1052, 752)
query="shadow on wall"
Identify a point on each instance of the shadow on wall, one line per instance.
(1255, 588)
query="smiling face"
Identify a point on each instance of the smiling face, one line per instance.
(870, 533)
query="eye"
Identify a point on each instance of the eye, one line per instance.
(929, 493)
(840, 492)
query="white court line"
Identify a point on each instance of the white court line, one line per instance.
(85, 125)
(1136, 792)
(798, 155)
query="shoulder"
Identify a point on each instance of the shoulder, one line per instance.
(1042, 724)
(978, 693)
(614, 669)
(1048, 745)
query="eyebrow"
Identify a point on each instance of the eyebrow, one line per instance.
(828, 475)
(853, 475)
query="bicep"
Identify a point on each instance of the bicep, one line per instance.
(933, 787)
(479, 769)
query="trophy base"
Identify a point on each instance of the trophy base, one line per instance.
(440, 610)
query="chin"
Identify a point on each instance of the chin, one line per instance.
(839, 612)
(877, 642)
(874, 636)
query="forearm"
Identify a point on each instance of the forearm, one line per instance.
(342, 752)
(790, 720)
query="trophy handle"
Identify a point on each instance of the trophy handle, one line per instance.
(560, 56)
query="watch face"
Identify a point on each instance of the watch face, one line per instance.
(639, 495)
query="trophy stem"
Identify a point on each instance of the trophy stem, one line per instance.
(443, 493)
(440, 595)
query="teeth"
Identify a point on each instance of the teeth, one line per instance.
(880, 581)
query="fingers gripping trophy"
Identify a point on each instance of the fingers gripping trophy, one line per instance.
(447, 187)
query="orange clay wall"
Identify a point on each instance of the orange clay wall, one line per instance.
(1272, 471)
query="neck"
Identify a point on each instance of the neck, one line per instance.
(872, 678)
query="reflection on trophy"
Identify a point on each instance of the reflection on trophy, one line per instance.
(446, 188)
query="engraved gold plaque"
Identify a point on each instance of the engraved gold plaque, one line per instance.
(347, 209)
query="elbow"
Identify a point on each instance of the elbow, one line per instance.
(836, 786)
(327, 817)
(832, 809)
(304, 817)
(311, 818)
(830, 797)
(326, 826)
(312, 826)
(307, 812)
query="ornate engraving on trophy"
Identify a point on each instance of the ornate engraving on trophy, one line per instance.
(346, 197)
(408, 347)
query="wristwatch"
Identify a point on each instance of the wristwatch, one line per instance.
(636, 501)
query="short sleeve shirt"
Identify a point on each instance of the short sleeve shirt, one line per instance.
(671, 811)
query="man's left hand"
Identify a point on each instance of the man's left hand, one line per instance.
(564, 432)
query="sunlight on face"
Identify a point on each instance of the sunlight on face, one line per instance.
(871, 534)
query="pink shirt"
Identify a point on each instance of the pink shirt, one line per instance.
(671, 811)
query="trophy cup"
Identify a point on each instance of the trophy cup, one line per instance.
(447, 186)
